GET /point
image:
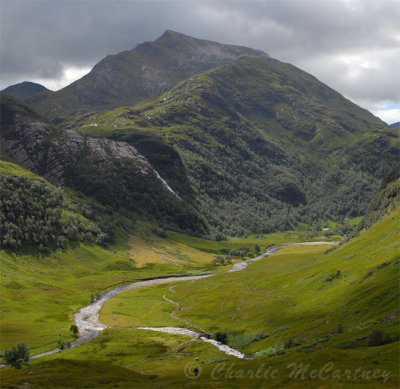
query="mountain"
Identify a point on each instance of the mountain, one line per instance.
(23, 90)
(114, 172)
(265, 145)
(395, 125)
(130, 76)
(251, 144)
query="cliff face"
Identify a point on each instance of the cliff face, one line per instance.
(112, 171)
(50, 153)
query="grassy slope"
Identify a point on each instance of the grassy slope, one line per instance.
(269, 290)
(39, 295)
(300, 284)
(40, 292)
(296, 288)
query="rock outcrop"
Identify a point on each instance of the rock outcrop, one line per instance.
(112, 171)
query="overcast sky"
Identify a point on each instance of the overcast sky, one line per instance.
(351, 45)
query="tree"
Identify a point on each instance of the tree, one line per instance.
(388, 339)
(375, 338)
(17, 356)
(74, 329)
(288, 343)
(61, 344)
(339, 328)
(257, 248)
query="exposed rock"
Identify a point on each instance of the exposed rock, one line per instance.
(130, 76)
(53, 154)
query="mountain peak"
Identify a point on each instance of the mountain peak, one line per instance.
(171, 33)
(148, 70)
(23, 90)
(204, 49)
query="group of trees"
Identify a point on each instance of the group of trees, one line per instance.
(20, 355)
(17, 356)
(34, 213)
(121, 185)
(240, 252)
(30, 212)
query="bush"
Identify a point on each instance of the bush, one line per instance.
(219, 237)
(288, 343)
(74, 329)
(94, 297)
(61, 345)
(378, 338)
(17, 356)
(339, 328)
(159, 231)
(218, 260)
(220, 337)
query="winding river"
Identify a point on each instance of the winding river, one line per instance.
(89, 325)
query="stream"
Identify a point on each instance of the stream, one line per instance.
(89, 325)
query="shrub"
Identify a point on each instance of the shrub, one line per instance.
(378, 338)
(220, 337)
(339, 328)
(219, 236)
(17, 356)
(288, 343)
(159, 231)
(94, 297)
(74, 329)
(218, 260)
(61, 345)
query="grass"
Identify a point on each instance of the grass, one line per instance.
(295, 294)
(16, 170)
(301, 283)
(135, 358)
(133, 309)
(41, 292)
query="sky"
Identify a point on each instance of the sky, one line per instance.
(351, 45)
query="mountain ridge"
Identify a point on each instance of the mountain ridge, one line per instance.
(261, 133)
(23, 90)
(149, 69)
(254, 144)
(114, 172)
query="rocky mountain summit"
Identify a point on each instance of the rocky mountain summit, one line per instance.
(131, 76)
(226, 132)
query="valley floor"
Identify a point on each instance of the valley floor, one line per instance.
(282, 312)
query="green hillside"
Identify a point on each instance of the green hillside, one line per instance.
(114, 173)
(264, 144)
(315, 317)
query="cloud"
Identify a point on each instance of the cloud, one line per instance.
(388, 115)
(351, 45)
(69, 74)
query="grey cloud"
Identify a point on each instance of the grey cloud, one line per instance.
(40, 38)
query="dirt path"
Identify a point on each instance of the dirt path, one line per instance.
(89, 325)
